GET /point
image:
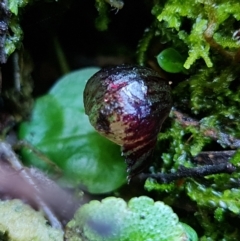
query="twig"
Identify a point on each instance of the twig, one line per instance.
(223, 138)
(208, 35)
(213, 157)
(183, 172)
(39, 154)
(16, 72)
(218, 160)
(7, 153)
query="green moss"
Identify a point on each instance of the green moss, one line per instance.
(102, 20)
(151, 184)
(144, 44)
(200, 30)
(211, 94)
(183, 144)
(208, 21)
(206, 32)
(13, 40)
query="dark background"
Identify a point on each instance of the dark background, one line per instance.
(71, 24)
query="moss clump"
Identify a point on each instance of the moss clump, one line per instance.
(199, 27)
(206, 34)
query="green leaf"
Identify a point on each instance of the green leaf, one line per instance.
(141, 219)
(192, 235)
(171, 60)
(60, 129)
(19, 222)
(68, 90)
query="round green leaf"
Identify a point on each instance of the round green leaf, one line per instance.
(60, 129)
(171, 60)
